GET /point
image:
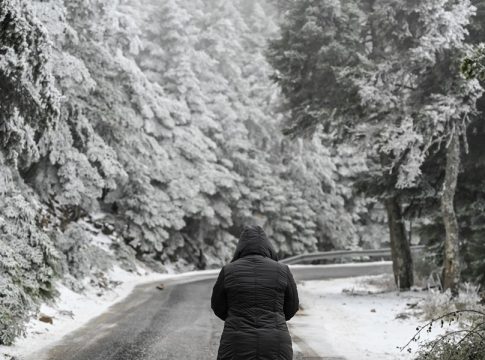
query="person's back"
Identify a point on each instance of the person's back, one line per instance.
(255, 295)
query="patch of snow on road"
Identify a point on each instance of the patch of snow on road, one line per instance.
(356, 319)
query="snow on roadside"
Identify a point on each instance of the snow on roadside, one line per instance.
(350, 318)
(72, 310)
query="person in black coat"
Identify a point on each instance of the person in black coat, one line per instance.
(255, 296)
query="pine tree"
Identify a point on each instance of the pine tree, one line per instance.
(369, 70)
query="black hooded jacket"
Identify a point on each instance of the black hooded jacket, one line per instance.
(255, 296)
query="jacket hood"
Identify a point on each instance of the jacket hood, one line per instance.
(253, 241)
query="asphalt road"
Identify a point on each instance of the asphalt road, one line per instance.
(172, 324)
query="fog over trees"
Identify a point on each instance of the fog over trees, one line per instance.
(168, 125)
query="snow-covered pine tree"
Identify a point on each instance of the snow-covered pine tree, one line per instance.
(368, 70)
(29, 107)
(28, 257)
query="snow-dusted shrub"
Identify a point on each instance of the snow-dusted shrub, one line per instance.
(27, 264)
(80, 258)
(439, 303)
(125, 255)
(465, 342)
(383, 283)
(470, 348)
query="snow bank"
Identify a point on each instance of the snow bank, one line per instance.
(355, 320)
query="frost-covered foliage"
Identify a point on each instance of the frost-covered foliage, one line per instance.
(385, 76)
(470, 196)
(454, 348)
(462, 342)
(438, 303)
(28, 109)
(161, 117)
(28, 100)
(193, 129)
(473, 66)
(470, 209)
(80, 258)
(386, 79)
(28, 257)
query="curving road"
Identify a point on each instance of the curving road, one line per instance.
(173, 324)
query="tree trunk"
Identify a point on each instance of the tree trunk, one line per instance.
(451, 262)
(402, 263)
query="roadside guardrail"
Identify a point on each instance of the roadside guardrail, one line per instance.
(343, 254)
